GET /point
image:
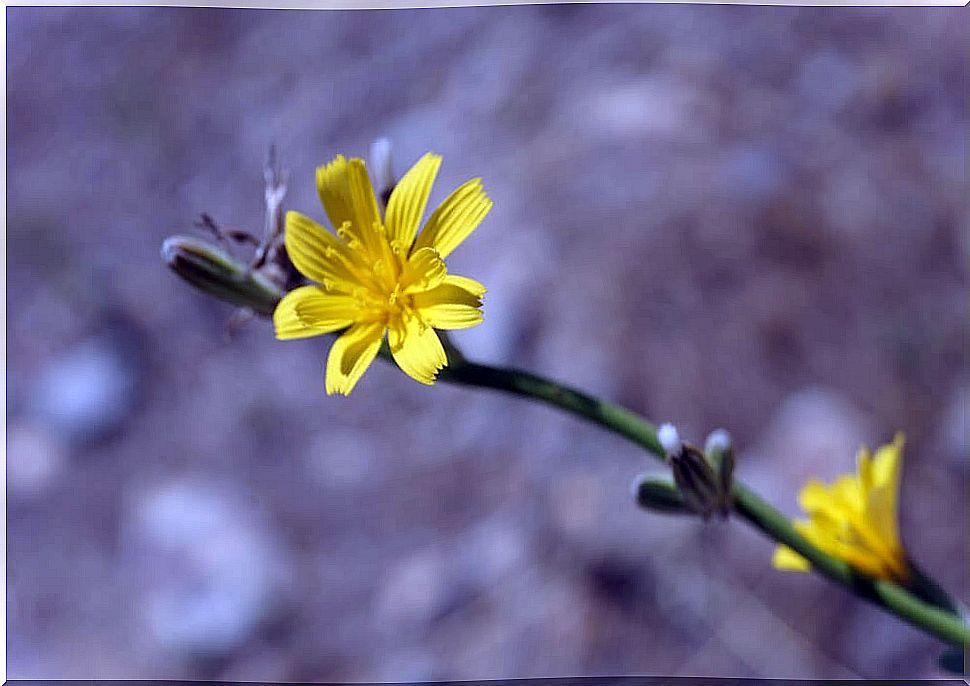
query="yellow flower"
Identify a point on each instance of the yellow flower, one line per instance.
(854, 519)
(377, 275)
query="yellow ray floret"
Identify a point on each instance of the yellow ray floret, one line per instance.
(854, 519)
(378, 276)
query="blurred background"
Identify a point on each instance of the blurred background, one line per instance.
(746, 217)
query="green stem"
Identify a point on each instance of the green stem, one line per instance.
(891, 597)
(220, 275)
(609, 416)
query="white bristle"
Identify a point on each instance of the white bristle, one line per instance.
(719, 441)
(669, 438)
(380, 162)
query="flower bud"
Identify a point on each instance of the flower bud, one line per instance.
(719, 451)
(382, 166)
(696, 480)
(215, 272)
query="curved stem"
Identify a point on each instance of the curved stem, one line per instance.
(217, 273)
(891, 597)
(612, 417)
(939, 622)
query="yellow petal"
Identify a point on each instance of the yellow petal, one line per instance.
(862, 559)
(826, 523)
(470, 285)
(854, 519)
(408, 200)
(823, 538)
(887, 464)
(328, 310)
(423, 271)
(367, 216)
(806, 528)
(864, 469)
(450, 316)
(827, 535)
(451, 305)
(318, 254)
(847, 493)
(417, 350)
(814, 496)
(333, 189)
(845, 533)
(291, 320)
(849, 534)
(841, 498)
(348, 196)
(455, 218)
(788, 560)
(884, 497)
(351, 355)
(867, 508)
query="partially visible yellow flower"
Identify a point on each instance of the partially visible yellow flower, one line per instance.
(854, 519)
(378, 275)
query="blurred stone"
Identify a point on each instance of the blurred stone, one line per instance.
(577, 503)
(881, 644)
(413, 590)
(409, 665)
(828, 80)
(814, 434)
(262, 665)
(955, 430)
(345, 457)
(492, 550)
(791, 652)
(653, 106)
(88, 392)
(49, 316)
(35, 459)
(752, 172)
(510, 296)
(684, 598)
(215, 574)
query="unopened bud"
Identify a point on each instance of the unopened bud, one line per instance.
(696, 480)
(217, 273)
(382, 166)
(719, 451)
(658, 494)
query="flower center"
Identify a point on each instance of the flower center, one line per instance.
(384, 298)
(383, 279)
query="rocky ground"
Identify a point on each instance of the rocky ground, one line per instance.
(747, 217)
